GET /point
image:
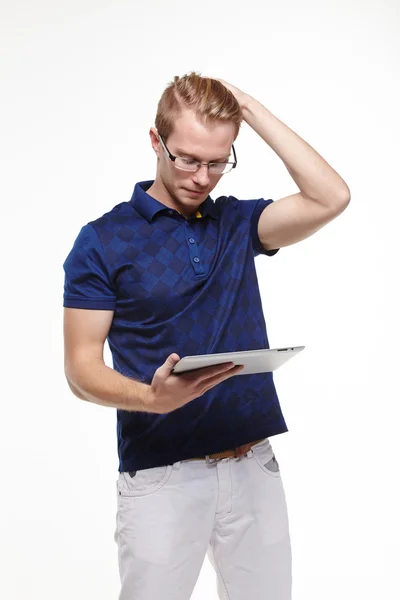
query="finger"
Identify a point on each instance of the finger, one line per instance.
(218, 378)
(205, 372)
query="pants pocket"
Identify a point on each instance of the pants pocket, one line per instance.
(266, 459)
(143, 482)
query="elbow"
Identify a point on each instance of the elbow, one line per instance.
(74, 389)
(345, 197)
(341, 203)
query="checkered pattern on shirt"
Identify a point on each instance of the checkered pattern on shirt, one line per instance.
(184, 286)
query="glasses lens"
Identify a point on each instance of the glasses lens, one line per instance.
(220, 168)
(186, 164)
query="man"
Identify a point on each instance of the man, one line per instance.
(168, 274)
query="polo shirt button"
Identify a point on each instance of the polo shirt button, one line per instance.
(191, 240)
(196, 259)
(170, 212)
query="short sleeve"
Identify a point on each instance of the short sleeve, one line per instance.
(258, 207)
(87, 282)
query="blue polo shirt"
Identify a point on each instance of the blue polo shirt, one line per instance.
(179, 285)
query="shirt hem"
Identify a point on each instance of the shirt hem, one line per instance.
(90, 304)
(171, 458)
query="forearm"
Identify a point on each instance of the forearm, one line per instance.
(95, 382)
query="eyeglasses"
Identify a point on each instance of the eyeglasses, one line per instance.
(192, 165)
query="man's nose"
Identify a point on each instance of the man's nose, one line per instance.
(202, 176)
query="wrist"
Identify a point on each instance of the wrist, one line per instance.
(146, 399)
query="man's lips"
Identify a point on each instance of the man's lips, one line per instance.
(196, 191)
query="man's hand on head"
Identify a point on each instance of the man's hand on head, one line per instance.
(240, 96)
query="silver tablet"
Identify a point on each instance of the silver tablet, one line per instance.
(254, 361)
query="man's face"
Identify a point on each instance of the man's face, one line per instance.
(191, 139)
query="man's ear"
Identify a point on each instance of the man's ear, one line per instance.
(155, 142)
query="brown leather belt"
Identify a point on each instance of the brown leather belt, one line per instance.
(236, 452)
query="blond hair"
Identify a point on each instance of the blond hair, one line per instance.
(209, 98)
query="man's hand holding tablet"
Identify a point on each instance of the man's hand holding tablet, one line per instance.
(174, 385)
(168, 392)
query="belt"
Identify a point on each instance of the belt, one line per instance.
(236, 452)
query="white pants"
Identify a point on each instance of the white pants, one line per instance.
(233, 509)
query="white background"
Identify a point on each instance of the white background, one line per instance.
(80, 83)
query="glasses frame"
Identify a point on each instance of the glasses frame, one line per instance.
(199, 164)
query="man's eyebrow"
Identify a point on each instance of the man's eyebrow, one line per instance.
(181, 152)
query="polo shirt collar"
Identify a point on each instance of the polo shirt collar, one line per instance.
(148, 206)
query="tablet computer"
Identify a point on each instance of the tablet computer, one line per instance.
(254, 361)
